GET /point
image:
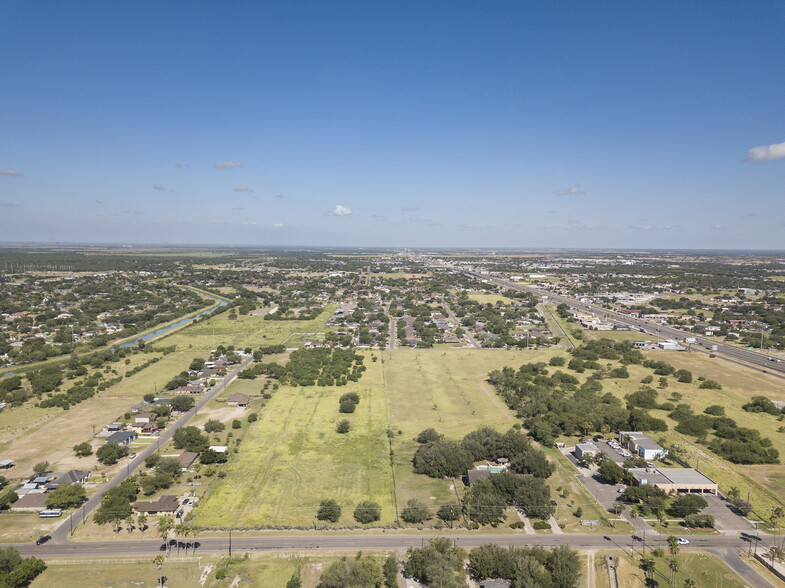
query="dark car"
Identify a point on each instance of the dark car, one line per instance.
(43, 539)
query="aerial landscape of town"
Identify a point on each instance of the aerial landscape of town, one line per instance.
(444, 294)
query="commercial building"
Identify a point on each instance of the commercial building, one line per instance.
(640, 445)
(674, 479)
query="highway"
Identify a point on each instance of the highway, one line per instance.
(726, 351)
(61, 533)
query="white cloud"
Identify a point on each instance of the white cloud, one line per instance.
(574, 191)
(227, 164)
(249, 224)
(278, 225)
(339, 211)
(718, 227)
(766, 152)
(11, 173)
(241, 189)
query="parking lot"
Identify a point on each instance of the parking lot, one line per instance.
(613, 450)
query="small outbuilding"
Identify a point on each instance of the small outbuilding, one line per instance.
(238, 399)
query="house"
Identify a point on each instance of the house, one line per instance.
(144, 418)
(70, 477)
(474, 475)
(6, 463)
(187, 390)
(32, 502)
(167, 503)
(122, 437)
(187, 459)
(238, 399)
(589, 448)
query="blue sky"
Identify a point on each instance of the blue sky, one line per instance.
(462, 124)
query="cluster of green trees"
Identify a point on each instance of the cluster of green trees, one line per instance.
(439, 458)
(116, 503)
(527, 566)
(321, 366)
(348, 402)
(109, 453)
(761, 404)
(167, 470)
(736, 444)
(66, 496)
(16, 572)
(362, 571)
(486, 500)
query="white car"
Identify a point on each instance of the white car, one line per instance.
(683, 541)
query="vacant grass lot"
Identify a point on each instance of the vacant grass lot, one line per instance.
(707, 570)
(292, 458)
(272, 572)
(244, 331)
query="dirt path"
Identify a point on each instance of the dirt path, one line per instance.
(494, 398)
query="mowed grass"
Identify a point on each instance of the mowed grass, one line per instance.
(267, 572)
(244, 331)
(445, 390)
(292, 458)
(707, 570)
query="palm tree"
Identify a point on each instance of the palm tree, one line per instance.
(690, 583)
(158, 560)
(142, 520)
(165, 524)
(734, 492)
(673, 545)
(674, 567)
(648, 566)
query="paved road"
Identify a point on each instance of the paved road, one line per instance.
(467, 334)
(61, 533)
(390, 541)
(726, 351)
(556, 328)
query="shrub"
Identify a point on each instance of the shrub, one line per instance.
(557, 361)
(415, 511)
(367, 512)
(699, 520)
(343, 426)
(715, 410)
(83, 449)
(347, 406)
(710, 385)
(236, 424)
(541, 525)
(253, 417)
(329, 510)
(428, 436)
(214, 426)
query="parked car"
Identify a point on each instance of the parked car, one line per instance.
(43, 539)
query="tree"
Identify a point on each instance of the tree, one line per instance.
(214, 426)
(110, 452)
(611, 472)
(428, 436)
(142, 521)
(415, 511)
(390, 570)
(190, 439)
(360, 572)
(687, 504)
(116, 503)
(66, 496)
(329, 510)
(294, 581)
(449, 512)
(565, 567)
(343, 426)
(83, 449)
(41, 467)
(438, 564)
(236, 424)
(253, 417)
(165, 524)
(16, 572)
(182, 403)
(346, 406)
(674, 567)
(367, 512)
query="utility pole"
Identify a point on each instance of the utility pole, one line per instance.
(230, 543)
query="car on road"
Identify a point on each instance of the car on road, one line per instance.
(621, 490)
(43, 539)
(133, 455)
(683, 541)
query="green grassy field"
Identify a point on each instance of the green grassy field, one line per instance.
(245, 331)
(292, 458)
(707, 570)
(489, 298)
(266, 572)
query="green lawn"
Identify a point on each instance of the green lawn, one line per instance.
(292, 458)
(707, 570)
(244, 331)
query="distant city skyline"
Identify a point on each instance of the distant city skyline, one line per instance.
(445, 124)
